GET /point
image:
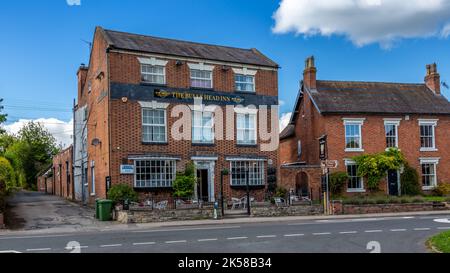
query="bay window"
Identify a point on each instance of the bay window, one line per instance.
(154, 173)
(240, 170)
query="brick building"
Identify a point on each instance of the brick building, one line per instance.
(62, 175)
(132, 96)
(366, 118)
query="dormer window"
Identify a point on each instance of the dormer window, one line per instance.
(201, 75)
(153, 70)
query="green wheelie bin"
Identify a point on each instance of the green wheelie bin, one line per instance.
(105, 208)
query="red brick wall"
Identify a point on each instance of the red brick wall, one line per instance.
(125, 68)
(373, 135)
(310, 126)
(121, 123)
(98, 112)
(63, 187)
(127, 140)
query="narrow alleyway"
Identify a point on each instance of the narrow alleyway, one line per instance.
(36, 211)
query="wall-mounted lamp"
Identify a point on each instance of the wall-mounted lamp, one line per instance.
(96, 142)
(179, 63)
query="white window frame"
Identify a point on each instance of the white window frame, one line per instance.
(154, 106)
(202, 113)
(433, 124)
(349, 162)
(260, 176)
(252, 112)
(245, 72)
(392, 122)
(153, 62)
(434, 162)
(167, 184)
(358, 122)
(204, 68)
(93, 178)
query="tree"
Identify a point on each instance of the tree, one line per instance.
(33, 150)
(2, 117)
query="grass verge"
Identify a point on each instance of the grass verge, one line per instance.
(440, 243)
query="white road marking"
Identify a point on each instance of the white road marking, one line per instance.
(323, 233)
(443, 228)
(208, 240)
(176, 242)
(237, 238)
(10, 251)
(442, 221)
(144, 244)
(294, 235)
(266, 236)
(185, 229)
(348, 232)
(398, 230)
(78, 247)
(422, 229)
(408, 217)
(38, 249)
(373, 231)
(105, 246)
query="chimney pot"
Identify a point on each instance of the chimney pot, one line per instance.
(433, 79)
(309, 75)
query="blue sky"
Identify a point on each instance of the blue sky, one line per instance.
(42, 45)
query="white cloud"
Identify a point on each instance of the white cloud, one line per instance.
(73, 2)
(61, 130)
(446, 31)
(281, 102)
(364, 21)
(284, 120)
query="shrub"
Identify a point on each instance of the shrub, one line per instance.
(7, 176)
(374, 167)
(121, 192)
(442, 190)
(337, 182)
(281, 192)
(184, 183)
(410, 181)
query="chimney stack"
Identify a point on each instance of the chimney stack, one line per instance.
(433, 79)
(82, 75)
(309, 75)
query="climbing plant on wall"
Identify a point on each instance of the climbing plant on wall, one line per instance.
(375, 166)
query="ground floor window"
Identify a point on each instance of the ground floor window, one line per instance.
(240, 169)
(155, 173)
(429, 179)
(355, 183)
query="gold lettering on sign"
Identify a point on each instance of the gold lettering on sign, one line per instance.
(185, 96)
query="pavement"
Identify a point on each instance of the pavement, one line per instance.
(387, 233)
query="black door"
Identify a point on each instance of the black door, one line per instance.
(393, 183)
(202, 182)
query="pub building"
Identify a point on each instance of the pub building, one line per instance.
(133, 96)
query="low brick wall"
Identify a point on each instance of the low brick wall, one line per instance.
(140, 216)
(340, 208)
(2, 221)
(274, 211)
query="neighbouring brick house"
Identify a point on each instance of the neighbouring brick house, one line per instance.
(45, 180)
(127, 111)
(62, 175)
(366, 118)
